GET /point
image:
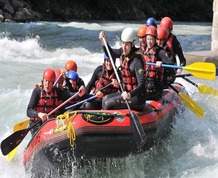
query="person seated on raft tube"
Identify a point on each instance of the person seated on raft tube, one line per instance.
(69, 65)
(45, 98)
(154, 75)
(74, 84)
(162, 36)
(102, 76)
(172, 43)
(131, 74)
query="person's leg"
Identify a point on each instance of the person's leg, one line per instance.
(116, 101)
(92, 105)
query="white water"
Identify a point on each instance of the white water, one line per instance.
(191, 150)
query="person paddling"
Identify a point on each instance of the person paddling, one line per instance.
(154, 74)
(74, 84)
(132, 73)
(173, 43)
(102, 76)
(45, 98)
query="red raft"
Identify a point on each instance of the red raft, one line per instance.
(98, 133)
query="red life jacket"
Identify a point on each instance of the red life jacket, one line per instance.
(104, 80)
(152, 72)
(129, 82)
(47, 102)
(169, 44)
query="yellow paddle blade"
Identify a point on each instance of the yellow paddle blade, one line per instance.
(202, 70)
(21, 125)
(192, 105)
(205, 89)
(12, 153)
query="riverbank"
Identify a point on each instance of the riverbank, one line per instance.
(68, 10)
(202, 56)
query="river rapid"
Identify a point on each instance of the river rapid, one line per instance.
(191, 150)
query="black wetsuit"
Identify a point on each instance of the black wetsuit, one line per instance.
(137, 100)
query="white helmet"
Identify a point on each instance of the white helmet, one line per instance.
(128, 35)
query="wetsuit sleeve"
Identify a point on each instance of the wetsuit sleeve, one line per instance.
(115, 53)
(63, 95)
(138, 67)
(162, 56)
(177, 49)
(81, 82)
(95, 76)
(34, 99)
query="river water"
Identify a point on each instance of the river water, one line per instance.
(191, 150)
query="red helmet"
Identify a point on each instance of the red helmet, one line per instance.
(151, 30)
(142, 31)
(57, 74)
(162, 33)
(71, 65)
(167, 23)
(49, 75)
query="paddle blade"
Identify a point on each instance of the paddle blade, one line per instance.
(11, 142)
(12, 153)
(205, 89)
(138, 131)
(192, 105)
(202, 70)
(21, 125)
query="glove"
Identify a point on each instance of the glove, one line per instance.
(125, 95)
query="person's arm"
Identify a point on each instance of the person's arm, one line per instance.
(177, 49)
(33, 103)
(95, 76)
(115, 53)
(162, 56)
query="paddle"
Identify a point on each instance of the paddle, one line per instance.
(192, 105)
(22, 125)
(11, 142)
(19, 126)
(202, 70)
(55, 83)
(137, 129)
(87, 99)
(204, 89)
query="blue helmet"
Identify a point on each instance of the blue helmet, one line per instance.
(151, 22)
(106, 57)
(72, 75)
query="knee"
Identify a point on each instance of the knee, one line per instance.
(106, 104)
(86, 106)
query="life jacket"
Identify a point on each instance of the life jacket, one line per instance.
(152, 72)
(169, 44)
(129, 81)
(104, 80)
(47, 102)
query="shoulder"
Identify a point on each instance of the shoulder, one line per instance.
(99, 68)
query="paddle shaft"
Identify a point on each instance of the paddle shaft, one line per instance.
(192, 105)
(137, 125)
(57, 79)
(88, 99)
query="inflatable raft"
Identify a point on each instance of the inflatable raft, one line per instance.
(96, 134)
